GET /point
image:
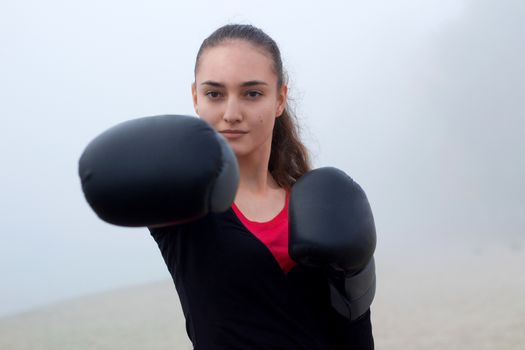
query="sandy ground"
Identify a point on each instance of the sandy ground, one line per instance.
(473, 301)
(470, 301)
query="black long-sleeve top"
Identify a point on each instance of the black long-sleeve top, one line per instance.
(235, 295)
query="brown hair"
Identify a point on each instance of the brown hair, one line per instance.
(289, 158)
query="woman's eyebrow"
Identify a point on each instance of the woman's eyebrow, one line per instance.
(212, 83)
(253, 82)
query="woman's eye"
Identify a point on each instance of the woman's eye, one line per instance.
(253, 94)
(213, 94)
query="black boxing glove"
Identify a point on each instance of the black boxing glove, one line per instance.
(332, 227)
(158, 171)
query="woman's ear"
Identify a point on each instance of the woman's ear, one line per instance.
(194, 97)
(282, 99)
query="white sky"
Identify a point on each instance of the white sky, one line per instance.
(422, 102)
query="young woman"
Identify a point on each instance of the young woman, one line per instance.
(238, 287)
(217, 206)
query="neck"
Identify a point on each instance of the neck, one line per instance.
(254, 175)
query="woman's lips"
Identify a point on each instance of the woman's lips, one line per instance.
(233, 134)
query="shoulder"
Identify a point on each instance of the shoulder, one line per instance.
(210, 222)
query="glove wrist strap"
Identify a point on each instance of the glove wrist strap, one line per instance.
(358, 294)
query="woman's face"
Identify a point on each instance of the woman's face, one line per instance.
(236, 92)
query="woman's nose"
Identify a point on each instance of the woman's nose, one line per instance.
(232, 113)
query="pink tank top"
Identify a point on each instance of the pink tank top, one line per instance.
(273, 234)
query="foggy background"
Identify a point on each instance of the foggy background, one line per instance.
(422, 103)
